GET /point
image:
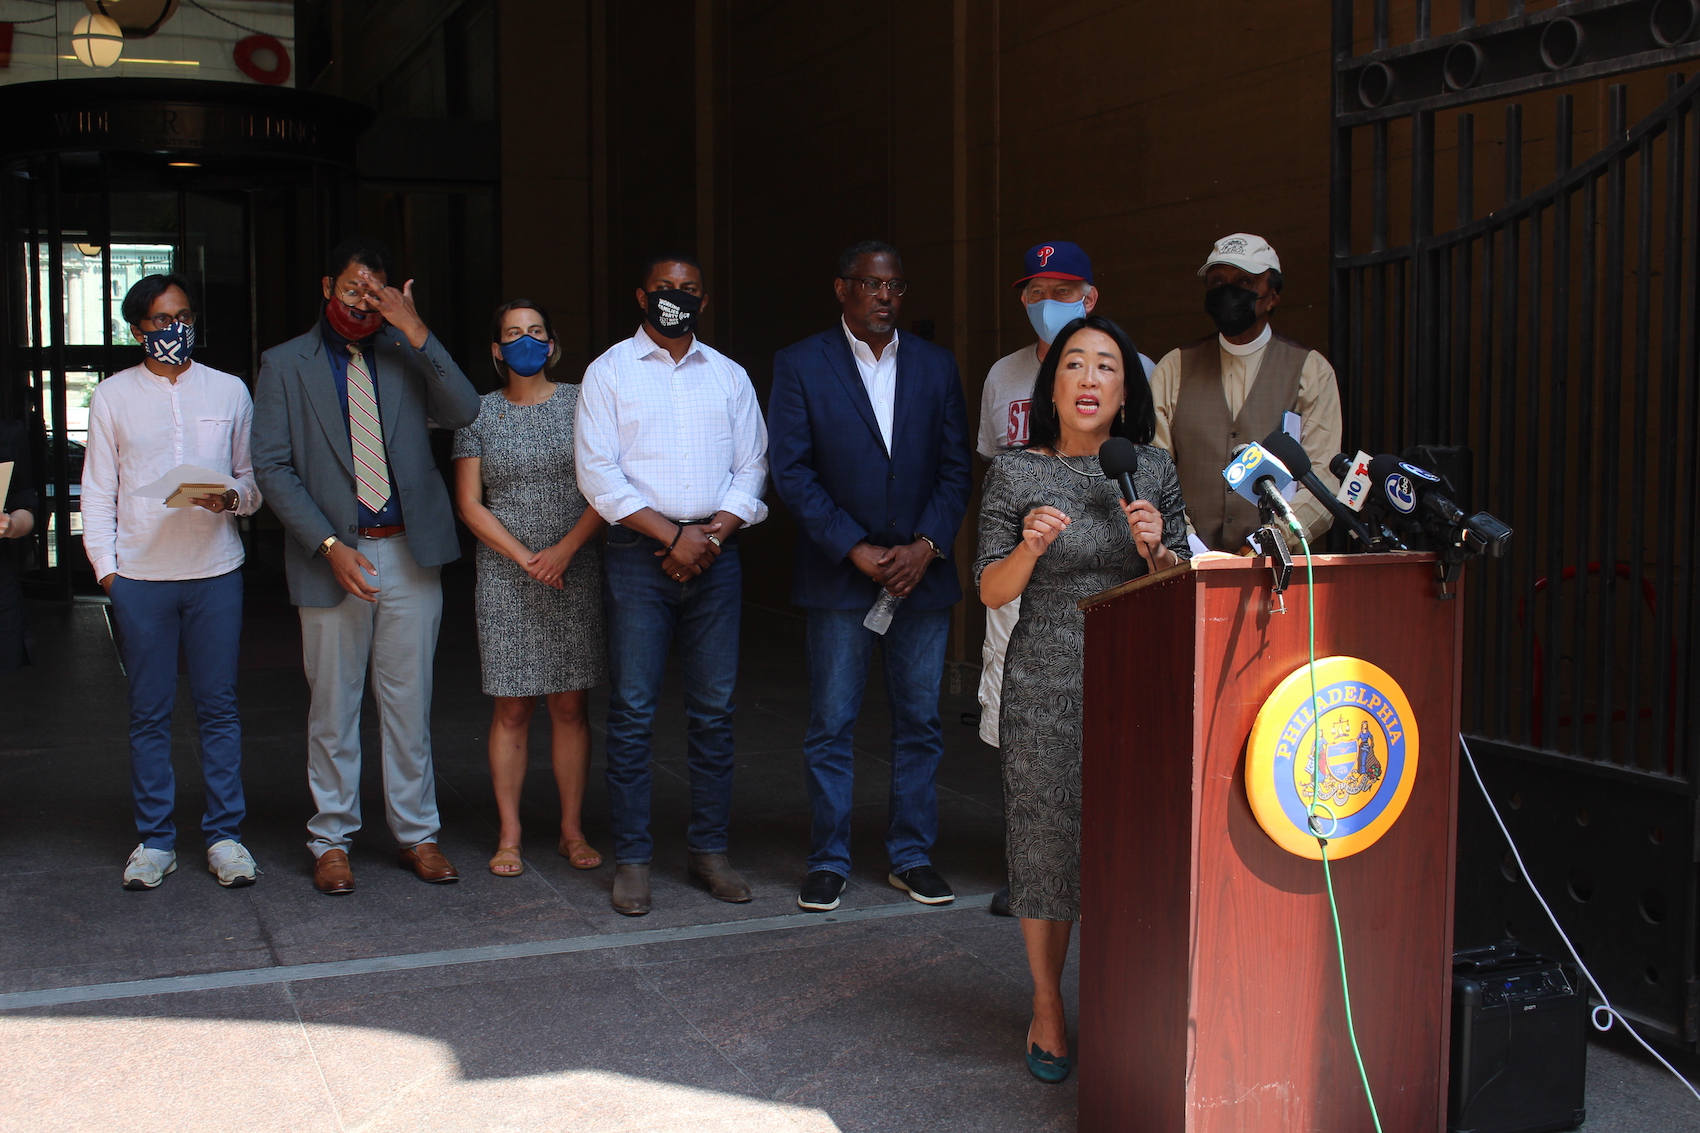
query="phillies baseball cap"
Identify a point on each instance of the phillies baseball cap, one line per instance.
(1057, 260)
(1245, 251)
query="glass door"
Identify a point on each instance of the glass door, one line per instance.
(85, 228)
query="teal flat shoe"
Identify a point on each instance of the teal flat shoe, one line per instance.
(1047, 1067)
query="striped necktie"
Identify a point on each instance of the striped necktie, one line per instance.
(371, 466)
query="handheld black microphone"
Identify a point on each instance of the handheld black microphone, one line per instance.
(1293, 455)
(1119, 458)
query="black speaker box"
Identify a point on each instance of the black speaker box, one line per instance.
(1519, 1043)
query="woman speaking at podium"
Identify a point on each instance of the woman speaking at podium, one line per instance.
(1054, 529)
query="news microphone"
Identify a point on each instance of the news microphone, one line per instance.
(1258, 476)
(1119, 458)
(1353, 474)
(1291, 453)
(1395, 482)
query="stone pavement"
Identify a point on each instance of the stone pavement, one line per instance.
(509, 1004)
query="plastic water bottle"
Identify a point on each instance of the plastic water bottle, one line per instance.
(881, 612)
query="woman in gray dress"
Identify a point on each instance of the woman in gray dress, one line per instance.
(539, 594)
(1052, 531)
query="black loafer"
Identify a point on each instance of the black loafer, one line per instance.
(923, 885)
(820, 891)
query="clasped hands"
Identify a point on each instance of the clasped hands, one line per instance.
(1041, 526)
(548, 565)
(693, 552)
(897, 569)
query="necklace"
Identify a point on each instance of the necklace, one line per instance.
(1063, 460)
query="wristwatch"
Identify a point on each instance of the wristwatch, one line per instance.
(937, 554)
(232, 499)
(325, 547)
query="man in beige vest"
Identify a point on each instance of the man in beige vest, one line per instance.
(1238, 386)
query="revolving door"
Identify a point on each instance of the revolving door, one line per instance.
(239, 203)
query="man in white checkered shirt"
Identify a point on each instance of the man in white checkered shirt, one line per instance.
(671, 449)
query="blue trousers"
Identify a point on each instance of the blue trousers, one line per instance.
(840, 649)
(205, 616)
(648, 613)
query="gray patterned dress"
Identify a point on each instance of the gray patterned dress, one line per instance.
(1039, 726)
(533, 639)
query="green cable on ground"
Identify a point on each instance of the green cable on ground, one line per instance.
(1322, 843)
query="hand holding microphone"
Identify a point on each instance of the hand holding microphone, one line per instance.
(1119, 458)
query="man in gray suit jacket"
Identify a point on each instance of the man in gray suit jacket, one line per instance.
(342, 454)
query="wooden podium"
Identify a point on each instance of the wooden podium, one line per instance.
(1209, 981)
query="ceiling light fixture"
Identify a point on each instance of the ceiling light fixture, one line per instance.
(97, 41)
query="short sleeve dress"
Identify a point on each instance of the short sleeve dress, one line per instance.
(1039, 725)
(534, 640)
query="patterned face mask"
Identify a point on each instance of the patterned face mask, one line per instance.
(171, 346)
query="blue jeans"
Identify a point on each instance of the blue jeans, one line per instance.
(648, 612)
(913, 654)
(205, 615)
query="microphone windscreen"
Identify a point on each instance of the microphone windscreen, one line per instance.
(1340, 465)
(1118, 456)
(1288, 452)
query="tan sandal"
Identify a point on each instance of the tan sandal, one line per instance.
(507, 862)
(580, 853)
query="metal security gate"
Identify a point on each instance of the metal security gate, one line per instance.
(1552, 335)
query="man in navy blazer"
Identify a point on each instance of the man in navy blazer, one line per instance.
(868, 447)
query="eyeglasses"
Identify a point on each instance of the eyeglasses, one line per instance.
(160, 322)
(872, 286)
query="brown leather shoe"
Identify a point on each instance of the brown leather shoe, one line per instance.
(331, 873)
(428, 863)
(631, 890)
(715, 874)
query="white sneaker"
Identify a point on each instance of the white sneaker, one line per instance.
(231, 862)
(147, 868)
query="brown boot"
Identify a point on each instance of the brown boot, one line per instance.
(631, 890)
(713, 873)
(331, 873)
(428, 863)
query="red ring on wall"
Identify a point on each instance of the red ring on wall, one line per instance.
(246, 50)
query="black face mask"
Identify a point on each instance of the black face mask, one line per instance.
(673, 313)
(1232, 309)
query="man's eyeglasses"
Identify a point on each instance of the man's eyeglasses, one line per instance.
(160, 322)
(872, 286)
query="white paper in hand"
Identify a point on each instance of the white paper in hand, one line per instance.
(166, 486)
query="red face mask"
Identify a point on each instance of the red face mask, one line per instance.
(351, 324)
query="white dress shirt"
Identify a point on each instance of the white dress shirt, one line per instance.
(879, 375)
(141, 426)
(686, 439)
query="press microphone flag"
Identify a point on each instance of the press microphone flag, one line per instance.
(1257, 475)
(1354, 480)
(1253, 464)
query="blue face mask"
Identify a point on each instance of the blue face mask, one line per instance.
(1049, 316)
(525, 355)
(171, 346)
